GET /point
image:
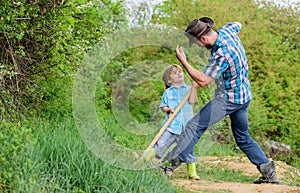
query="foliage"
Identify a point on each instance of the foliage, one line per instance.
(143, 93)
(278, 61)
(42, 44)
(16, 139)
(61, 162)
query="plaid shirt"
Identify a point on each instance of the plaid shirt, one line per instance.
(228, 64)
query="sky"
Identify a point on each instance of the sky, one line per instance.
(143, 9)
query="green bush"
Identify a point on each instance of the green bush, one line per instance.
(43, 44)
(16, 139)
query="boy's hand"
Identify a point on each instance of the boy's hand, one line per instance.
(168, 110)
(195, 84)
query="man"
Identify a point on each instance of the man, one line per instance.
(228, 67)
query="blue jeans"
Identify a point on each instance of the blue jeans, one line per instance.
(164, 143)
(211, 113)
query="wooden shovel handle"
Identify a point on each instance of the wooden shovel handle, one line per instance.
(170, 119)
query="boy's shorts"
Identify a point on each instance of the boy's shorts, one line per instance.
(164, 143)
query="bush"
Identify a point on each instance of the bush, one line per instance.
(15, 139)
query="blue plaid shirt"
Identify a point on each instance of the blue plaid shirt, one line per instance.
(228, 64)
(171, 98)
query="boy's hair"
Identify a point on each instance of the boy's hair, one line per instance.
(167, 74)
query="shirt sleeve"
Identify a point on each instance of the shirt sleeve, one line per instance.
(163, 101)
(217, 64)
(233, 27)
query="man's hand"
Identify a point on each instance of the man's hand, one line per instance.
(180, 54)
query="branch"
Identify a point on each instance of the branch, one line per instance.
(6, 107)
(24, 18)
(6, 186)
(11, 52)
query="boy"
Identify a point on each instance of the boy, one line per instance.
(176, 90)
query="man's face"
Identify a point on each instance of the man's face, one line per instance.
(201, 43)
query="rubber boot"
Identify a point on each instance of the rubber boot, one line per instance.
(191, 168)
(268, 172)
(151, 154)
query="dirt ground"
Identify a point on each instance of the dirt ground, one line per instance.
(286, 174)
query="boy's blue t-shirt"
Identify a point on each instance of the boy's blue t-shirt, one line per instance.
(171, 98)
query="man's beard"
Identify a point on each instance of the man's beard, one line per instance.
(208, 46)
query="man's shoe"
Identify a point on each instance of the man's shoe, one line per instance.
(268, 172)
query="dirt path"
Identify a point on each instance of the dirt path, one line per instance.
(286, 174)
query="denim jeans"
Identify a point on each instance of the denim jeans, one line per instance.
(211, 113)
(164, 143)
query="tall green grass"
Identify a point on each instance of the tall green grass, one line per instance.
(60, 162)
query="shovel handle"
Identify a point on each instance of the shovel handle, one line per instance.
(170, 119)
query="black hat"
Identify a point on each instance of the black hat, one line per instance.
(198, 27)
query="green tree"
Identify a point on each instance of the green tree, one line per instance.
(42, 43)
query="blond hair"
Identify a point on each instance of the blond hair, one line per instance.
(167, 74)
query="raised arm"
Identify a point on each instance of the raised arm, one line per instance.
(199, 77)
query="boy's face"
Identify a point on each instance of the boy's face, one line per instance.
(177, 76)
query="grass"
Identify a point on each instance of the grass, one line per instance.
(60, 162)
(215, 173)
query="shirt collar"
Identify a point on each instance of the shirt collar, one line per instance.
(217, 43)
(183, 85)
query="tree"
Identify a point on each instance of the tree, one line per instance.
(42, 43)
